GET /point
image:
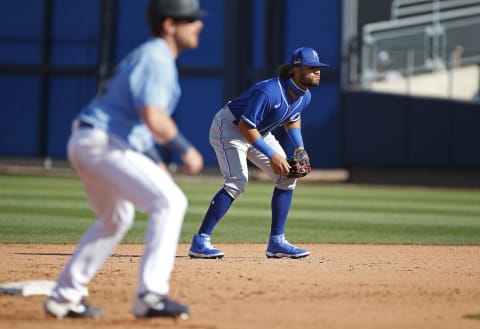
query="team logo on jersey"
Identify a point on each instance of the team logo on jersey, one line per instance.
(295, 117)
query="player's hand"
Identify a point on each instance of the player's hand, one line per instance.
(279, 164)
(192, 161)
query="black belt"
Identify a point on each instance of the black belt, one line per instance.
(83, 124)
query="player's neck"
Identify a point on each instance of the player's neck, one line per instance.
(172, 45)
(294, 90)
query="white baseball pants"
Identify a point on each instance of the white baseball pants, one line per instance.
(232, 152)
(117, 180)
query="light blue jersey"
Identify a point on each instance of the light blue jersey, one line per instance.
(147, 76)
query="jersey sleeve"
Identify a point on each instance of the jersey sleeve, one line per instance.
(256, 109)
(151, 84)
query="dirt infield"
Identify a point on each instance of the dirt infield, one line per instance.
(338, 286)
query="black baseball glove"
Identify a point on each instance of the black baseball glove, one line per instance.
(300, 164)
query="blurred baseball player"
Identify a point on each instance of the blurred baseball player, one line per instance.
(106, 150)
(241, 130)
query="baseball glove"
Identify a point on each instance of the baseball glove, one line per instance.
(300, 164)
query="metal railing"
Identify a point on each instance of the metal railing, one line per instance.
(422, 36)
(405, 8)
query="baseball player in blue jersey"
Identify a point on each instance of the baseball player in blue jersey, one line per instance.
(241, 130)
(106, 149)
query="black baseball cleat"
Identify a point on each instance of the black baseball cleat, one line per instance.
(151, 305)
(67, 309)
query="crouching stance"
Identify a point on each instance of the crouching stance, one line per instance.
(106, 148)
(242, 129)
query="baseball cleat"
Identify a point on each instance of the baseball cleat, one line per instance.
(151, 305)
(279, 247)
(62, 310)
(202, 248)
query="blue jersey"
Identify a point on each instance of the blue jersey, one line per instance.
(267, 105)
(147, 76)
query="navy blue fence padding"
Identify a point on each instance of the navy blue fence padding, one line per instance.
(465, 135)
(428, 132)
(403, 131)
(374, 129)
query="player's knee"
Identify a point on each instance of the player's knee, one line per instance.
(179, 201)
(235, 187)
(286, 183)
(175, 199)
(119, 222)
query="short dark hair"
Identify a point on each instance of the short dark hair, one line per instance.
(154, 23)
(285, 71)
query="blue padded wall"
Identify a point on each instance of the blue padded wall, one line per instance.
(19, 95)
(67, 97)
(20, 32)
(75, 32)
(318, 27)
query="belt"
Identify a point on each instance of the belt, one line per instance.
(235, 122)
(83, 124)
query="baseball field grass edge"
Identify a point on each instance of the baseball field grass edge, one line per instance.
(38, 209)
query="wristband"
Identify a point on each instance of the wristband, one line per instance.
(178, 143)
(295, 135)
(260, 145)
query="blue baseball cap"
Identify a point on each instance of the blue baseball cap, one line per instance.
(305, 56)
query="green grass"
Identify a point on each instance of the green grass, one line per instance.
(37, 209)
(472, 316)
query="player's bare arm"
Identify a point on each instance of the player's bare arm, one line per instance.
(164, 129)
(160, 123)
(278, 162)
(192, 161)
